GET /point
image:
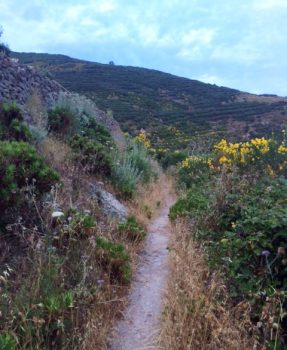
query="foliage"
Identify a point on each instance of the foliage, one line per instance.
(239, 209)
(141, 138)
(172, 158)
(7, 342)
(62, 121)
(157, 102)
(125, 177)
(131, 229)
(130, 168)
(21, 166)
(194, 170)
(12, 126)
(115, 258)
(138, 155)
(194, 203)
(259, 154)
(91, 154)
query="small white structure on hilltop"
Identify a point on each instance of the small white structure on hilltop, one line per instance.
(14, 60)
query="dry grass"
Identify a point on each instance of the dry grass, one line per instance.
(150, 198)
(197, 314)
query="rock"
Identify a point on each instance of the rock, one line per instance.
(108, 203)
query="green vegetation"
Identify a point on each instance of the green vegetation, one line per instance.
(12, 126)
(236, 199)
(21, 166)
(131, 229)
(174, 111)
(62, 121)
(131, 168)
(114, 258)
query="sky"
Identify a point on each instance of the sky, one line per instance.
(240, 44)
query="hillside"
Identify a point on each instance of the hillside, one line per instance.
(163, 104)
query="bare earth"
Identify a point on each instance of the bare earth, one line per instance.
(139, 328)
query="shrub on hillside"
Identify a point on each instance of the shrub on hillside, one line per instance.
(12, 126)
(125, 177)
(132, 229)
(115, 258)
(172, 158)
(239, 216)
(138, 155)
(62, 121)
(91, 154)
(21, 166)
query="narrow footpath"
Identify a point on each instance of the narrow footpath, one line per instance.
(140, 326)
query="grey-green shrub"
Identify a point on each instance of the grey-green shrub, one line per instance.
(125, 177)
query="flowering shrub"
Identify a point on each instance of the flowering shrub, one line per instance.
(238, 204)
(261, 154)
(194, 169)
(142, 139)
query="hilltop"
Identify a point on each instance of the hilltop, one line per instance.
(163, 104)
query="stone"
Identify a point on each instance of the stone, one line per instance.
(108, 203)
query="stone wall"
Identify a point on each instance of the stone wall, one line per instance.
(35, 93)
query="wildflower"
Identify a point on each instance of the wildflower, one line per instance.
(265, 253)
(84, 257)
(57, 214)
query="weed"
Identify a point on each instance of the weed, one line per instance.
(115, 258)
(131, 229)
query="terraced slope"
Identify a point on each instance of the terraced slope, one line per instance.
(163, 104)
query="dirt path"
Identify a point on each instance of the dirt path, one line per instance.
(140, 325)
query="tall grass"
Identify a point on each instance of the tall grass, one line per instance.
(197, 312)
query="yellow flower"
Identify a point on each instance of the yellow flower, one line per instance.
(282, 149)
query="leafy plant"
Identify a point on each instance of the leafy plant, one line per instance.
(91, 154)
(7, 342)
(115, 258)
(131, 229)
(125, 177)
(62, 121)
(12, 126)
(20, 166)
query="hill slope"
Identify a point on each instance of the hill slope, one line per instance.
(163, 104)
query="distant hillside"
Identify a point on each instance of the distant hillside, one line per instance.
(163, 104)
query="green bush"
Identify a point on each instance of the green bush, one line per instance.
(62, 121)
(125, 177)
(173, 158)
(92, 154)
(12, 126)
(252, 222)
(20, 165)
(7, 342)
(131, 168)
(139, 157)
(94, 131)
(115, 258)
(193, 203)
(131, 229)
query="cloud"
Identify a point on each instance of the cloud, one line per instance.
(242, 41)
(211, 79)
